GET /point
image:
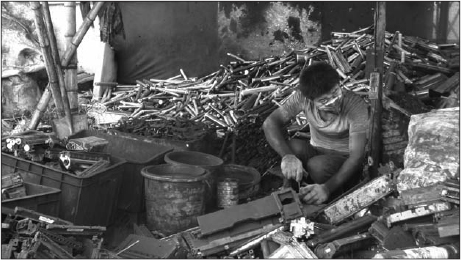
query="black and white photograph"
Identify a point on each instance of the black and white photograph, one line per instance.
(230, 130)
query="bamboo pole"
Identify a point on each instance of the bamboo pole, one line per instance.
(56, 63)
(45, 46)
(78, 37)
(41, 106)
(70, 73)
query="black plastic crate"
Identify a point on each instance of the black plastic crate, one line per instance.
(137, 154)
(84, 200)
(39, 198)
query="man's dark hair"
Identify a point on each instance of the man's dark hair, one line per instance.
(317, 79)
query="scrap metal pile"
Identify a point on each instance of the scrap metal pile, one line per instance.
(243, 93)
(371, 221)
(79, 156)
(177, 129)
(30, 234)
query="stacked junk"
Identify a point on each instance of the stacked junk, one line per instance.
(59, 195)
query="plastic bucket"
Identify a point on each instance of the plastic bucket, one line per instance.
(204, 160)
(175, 196)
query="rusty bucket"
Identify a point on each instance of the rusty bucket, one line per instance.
(175, 196)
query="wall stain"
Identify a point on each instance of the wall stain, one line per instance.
(280, 36)
(233, 26)
(263, 29)
(295, 27)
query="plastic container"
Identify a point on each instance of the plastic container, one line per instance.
(138, 154)
(39, 198)
(84, 200)
(175, 196)
(204, 160)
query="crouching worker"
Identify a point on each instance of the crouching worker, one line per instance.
(338, 120)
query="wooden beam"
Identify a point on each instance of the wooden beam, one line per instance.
(376, 87)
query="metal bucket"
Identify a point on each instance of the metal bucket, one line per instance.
(228, 193)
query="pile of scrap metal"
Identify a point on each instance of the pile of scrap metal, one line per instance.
(251, 88)
(30, 234)
(80, 156)
(371, 221)
(179, 129)
(245, 92)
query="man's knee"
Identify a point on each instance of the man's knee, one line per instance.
(322, 167)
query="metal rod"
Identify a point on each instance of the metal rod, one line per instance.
(128, 247)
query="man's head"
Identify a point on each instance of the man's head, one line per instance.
(320, 83)
(318, 79)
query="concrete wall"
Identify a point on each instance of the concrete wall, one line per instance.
(261, 29)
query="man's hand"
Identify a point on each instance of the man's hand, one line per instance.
(314, 194)
(292, 167)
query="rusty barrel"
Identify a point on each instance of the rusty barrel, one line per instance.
(204, 160)
(175, 196)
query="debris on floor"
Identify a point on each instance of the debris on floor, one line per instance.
(30, 234)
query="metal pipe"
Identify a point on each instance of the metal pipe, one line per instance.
(254, 242)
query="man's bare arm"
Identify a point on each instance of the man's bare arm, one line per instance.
(273, 130)
(273, 126)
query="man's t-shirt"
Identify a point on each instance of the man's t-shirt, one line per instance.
(333, 134)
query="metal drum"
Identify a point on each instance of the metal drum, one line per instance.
(228, 192)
